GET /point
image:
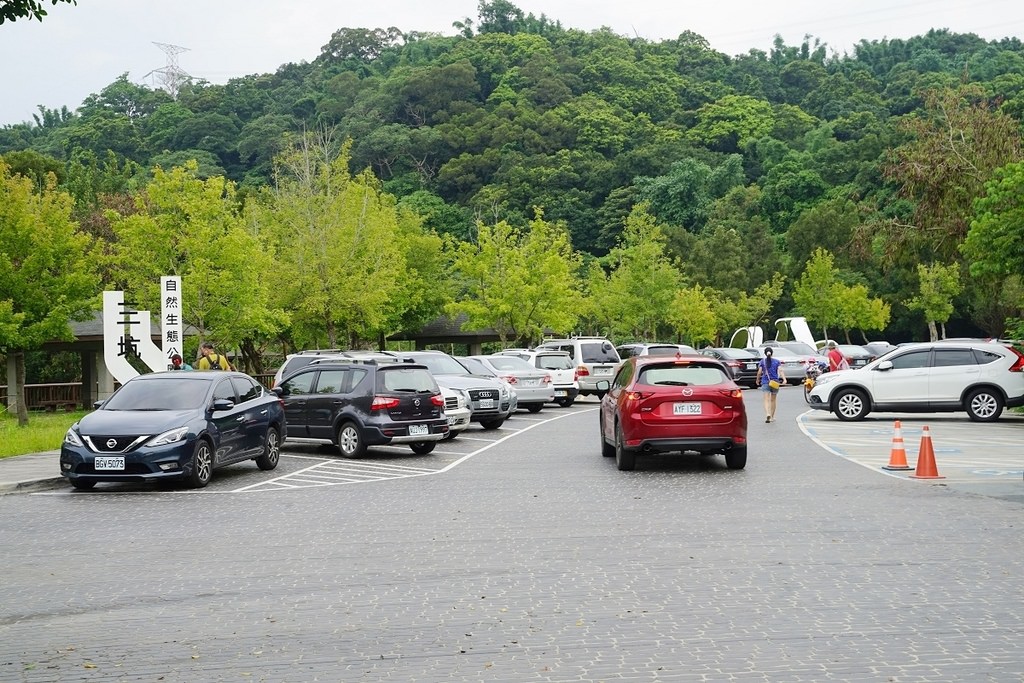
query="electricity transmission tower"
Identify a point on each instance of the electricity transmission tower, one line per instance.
(170, 77)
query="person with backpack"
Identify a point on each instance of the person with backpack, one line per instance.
(770, 376)
(836, 359)
(211, 360)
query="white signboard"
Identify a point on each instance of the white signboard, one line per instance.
(171, 328)
(127, 333)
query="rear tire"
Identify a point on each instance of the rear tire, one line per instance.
(564, 402)
(984, 405)
(271, 451)
(422, 448)
(534, 407)
(491, 424)
(350, 441)
(625, 459)
(736, 459)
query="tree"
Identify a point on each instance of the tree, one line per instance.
(35, 9)
(692, 315)
(939, 284)
(519, 284)
(190, 227)
(47, 271)
(817, 294)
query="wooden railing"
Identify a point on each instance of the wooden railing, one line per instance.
(68, 395)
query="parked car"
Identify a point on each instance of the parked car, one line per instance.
(295, 361)
(793, 366)
(856, 356)
(456, 411)
(638, 349)
(742, 364)
(490, 400)
(355, 405)
(556, 363)
(807, 354)
(657, 404)
(978, 377)
(175, 425)
(595, 359)
(878, 348)
(533, 386)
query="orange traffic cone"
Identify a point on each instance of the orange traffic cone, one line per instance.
(926, 468)
(898, 454)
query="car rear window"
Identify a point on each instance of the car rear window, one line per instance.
(598, 352)
(406, 379)
(510, 364)
(663, 350)
(554, 362)
(682, 375)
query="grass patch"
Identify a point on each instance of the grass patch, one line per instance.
(44, 432)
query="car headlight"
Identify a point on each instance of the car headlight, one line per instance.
(171, 436)
(825, 378)
(71, 437)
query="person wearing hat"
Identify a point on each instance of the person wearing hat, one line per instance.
(770, 376)
(836, 359)
(178, 364)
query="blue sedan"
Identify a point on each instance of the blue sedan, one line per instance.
(175, 425)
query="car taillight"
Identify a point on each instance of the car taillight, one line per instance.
(383, 403)
(546, 380)
(511, 379)
(582, 371)
(732, 393)
(575, 374)
(734, 364)
(1019, 365)
(437, 400)
(638, 395)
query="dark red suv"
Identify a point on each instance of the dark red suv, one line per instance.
(659, 404)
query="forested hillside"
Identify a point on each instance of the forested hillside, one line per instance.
(670, 190)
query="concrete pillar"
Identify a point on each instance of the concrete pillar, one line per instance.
(104, 380)
(12, 398)
(88, 394)
(476, 349)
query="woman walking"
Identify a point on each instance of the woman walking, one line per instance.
(770, 376)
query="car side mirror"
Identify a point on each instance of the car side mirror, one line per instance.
(97, 404)
(884, 365)
(223, 404)
(279, 392)
(603, 385)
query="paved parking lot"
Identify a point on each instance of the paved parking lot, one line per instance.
(524, 555)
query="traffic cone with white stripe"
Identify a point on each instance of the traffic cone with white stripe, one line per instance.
(926, 468)
(898, 454)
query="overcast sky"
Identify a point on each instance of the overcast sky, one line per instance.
(79, 49)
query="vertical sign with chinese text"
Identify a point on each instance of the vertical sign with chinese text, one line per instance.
(170, 317)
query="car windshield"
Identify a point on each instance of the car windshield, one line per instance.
(598, 352)
(681, 375)
(554, 362)
(165, 393)
(442, 364)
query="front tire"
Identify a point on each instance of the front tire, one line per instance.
(984, 405)
(350, 441)
(491, 424)
(422, 448)
(202, 465)
(736, 459)
(271, 450)
(83, 484)
(850, 405)
(607, 449)
(534, 407)
(625, 459)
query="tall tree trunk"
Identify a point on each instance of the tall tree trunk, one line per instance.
(933, 333)
(19, 387)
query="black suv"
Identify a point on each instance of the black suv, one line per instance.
(362, 403)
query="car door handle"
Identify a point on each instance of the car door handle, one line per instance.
(263, 412)
(240, 418)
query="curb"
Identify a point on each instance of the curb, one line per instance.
(29, 485)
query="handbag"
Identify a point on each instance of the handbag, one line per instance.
(773, 384)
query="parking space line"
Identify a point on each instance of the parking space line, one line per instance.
(337, 473)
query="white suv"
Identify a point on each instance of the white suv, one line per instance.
(979, 377)
(594, 357)
(559, 365)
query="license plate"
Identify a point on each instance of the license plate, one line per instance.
(487, 403)
(418, 430)
(751, 366)
(108, 463)
(602, 371)
(860, 362)
(531, 382)
(686, 409)
(559, 392)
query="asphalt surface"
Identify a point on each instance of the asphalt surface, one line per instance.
(523, 555)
